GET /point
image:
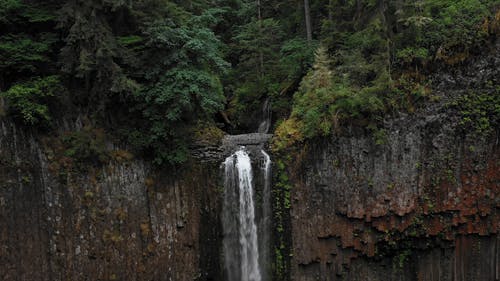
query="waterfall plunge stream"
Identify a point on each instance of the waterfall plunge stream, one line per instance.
(241, 242)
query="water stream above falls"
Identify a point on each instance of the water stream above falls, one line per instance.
(246, 224)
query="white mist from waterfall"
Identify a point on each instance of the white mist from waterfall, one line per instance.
(241, 248)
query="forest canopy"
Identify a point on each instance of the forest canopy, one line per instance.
(148, 72)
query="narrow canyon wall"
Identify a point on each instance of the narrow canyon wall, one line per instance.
(118, 221)
(422, 202)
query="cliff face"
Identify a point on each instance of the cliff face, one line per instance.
(419, 203)
(422, 203)
(113, 222)
(118, 219)
(408, 210)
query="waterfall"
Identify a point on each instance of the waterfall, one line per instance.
(265, 222)
(265, 124)
(241, 250)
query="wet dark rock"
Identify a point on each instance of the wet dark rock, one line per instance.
(417, 206)
(119, 221)
(253, 143)
(422, 205)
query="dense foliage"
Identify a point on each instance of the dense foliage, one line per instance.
(375, 57)
(29, 100)
(148, 71)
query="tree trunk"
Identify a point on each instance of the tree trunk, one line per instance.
(359, 7)
(382, 10)
(330, 12)
(2, 101)
(307, 13)
(261, 54)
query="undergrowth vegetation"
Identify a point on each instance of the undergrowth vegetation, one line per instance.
(369, 68)
(479, 112)
(148, 72)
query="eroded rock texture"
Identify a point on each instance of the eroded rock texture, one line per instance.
(420, 203)
(119, 221)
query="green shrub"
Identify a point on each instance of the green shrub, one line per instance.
(23, 53)
(442, 29)
(28, 101)
(324, 101)
(480, 113)
(7, 7)
(412, 54)
(86, 146)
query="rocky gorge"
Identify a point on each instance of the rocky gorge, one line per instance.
(421, 202)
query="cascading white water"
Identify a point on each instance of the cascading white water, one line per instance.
(241, 250)
(265, 123)
(265, 221)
